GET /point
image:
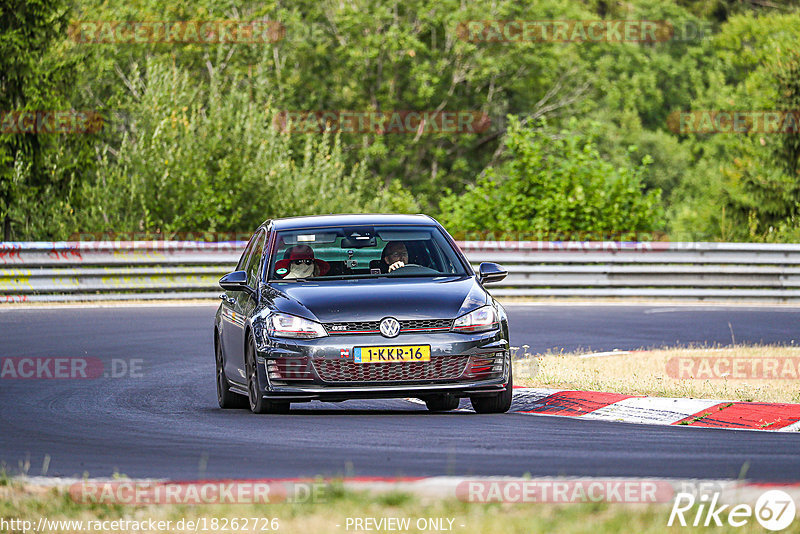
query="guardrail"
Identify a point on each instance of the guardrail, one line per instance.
(116, 270)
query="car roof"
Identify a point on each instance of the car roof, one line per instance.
(319, 221)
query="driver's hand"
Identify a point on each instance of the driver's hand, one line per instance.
(396, 265)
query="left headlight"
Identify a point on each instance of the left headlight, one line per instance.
(284, 325)
(481, 320)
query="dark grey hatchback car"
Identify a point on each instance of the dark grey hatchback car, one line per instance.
(360, 306)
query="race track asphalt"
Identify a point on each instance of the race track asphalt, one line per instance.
(164, 422)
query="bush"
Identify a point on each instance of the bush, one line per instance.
(197, 155)
(555, 187)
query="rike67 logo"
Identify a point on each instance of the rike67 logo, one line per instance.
(774, 510)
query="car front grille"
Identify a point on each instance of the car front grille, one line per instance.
(439, 368)
(362, 327)
(373, 327)
(425, 325)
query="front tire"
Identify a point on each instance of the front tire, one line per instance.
(442, 403)
(225, 397)
(499, 403)
(258, 404)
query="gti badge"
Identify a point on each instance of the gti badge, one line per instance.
(390, 327)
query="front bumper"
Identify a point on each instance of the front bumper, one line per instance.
(323, 369)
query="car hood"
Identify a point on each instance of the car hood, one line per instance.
(374, 299)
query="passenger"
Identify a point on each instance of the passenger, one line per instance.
(299, 262)
(395, 255)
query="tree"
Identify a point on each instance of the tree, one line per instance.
(745, 185)
(555, 186)
(29, 80)
(207, 155)
(787, 79)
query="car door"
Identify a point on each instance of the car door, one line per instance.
(245, 304)
(231, 314)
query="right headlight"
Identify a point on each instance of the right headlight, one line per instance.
(481, 320)
(285, 325)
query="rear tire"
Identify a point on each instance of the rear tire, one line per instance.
(225, 397)
(499, 403)
(257, 402)
(442, 403)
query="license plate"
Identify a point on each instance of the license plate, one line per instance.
(405, 353)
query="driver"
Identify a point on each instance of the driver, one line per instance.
(395, 255)
(299, 261)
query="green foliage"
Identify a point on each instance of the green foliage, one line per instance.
(554, 186)
(787, 79)
(721, 10)
(745, 186)
(190, 143)
(209, 156)
(407, 55)
(31, 78)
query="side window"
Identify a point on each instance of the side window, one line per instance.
(241, 266)
(265, 252)
(255, 261)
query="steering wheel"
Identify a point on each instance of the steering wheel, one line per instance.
(420, 269)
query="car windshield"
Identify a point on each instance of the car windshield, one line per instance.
(363, 252)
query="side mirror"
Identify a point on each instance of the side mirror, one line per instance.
(490, 272)
(235, 281)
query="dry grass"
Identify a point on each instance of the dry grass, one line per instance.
(646, 373)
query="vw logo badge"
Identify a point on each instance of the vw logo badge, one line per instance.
(390, 327)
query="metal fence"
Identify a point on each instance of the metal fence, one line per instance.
(115, 270)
